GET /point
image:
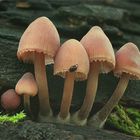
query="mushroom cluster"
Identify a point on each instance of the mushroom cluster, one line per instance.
(74, 60)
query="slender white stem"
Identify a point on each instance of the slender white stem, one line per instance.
(41, 78)
(99, 119)
(67, 95)
(91, 89)
(26, 100)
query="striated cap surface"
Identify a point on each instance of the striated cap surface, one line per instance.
(99, 48)
(128, 61)
(72, 57)
(27, 85)
(41, 36)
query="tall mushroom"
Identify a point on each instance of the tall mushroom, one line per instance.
(102, 60)
(127, 68)
(10, 100)
(27, 87)
(71, 62)
(38, 45)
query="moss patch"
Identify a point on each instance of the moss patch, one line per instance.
(14, 118)
(126, 120)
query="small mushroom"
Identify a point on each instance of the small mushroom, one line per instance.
(27, 87)
(10, 100)
(38, 45)
(127, 68)
(71, 63)
(102, 60)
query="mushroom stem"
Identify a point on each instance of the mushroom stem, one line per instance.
(99, 119)
(26, 99)
(67, 95)
(41, 79)
(91, 89)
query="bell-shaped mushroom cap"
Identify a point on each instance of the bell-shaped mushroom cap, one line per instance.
(41, 36)
(128, 61)
(10, 100)
(27, 85)
(99, 48)
(72, 55)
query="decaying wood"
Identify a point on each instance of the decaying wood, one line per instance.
(46, 131)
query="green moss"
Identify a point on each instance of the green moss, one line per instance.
(14, 118)
(126, 120)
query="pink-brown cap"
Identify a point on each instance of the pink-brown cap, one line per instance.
(27, 85)
(41, 36)
(10, 100)
(72, 57)
(128, 61)
(99, 48)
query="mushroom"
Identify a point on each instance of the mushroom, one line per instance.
(71, 63)
(10, 100)
(102, 60)
(127, 68)
(38, 45)
(27, 87)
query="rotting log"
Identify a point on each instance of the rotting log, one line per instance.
(47, 131)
